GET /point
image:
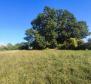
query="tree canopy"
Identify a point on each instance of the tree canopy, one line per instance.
(53, 27)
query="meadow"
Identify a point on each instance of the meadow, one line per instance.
(45, 67)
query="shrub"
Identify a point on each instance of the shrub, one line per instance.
(70, 44)
(61, 46)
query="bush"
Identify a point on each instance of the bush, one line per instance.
(69, 44)
(72, 43)
(61, 46)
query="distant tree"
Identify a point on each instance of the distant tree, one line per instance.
(9, 46)
(53, 27)
(2, 47)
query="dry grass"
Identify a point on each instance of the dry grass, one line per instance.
(45, 67)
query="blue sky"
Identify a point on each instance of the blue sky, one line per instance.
(16, 15)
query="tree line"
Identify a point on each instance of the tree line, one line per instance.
(56, 28)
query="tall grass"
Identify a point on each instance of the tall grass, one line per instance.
(45, 67)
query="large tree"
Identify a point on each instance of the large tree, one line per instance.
(52, 27)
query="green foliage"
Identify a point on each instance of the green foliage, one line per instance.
(52, 44)
(84, 46)
(81, 45)
(54, 27)
(2, 47)
(81, 29)
(89, 40)
(9, 46)
(19, 46)
(39, 42)
(73, 43)
(30, 33)
(61, 46)
(23, 46)
(88, 44)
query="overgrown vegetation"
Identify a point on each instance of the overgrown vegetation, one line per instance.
(45, 67)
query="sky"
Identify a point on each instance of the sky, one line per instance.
(16, 15)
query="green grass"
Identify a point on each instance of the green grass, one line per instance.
(45, 67)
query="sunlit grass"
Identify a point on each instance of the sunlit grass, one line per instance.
(45, 67)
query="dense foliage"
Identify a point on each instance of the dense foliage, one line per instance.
(86, 45)
(52, 28)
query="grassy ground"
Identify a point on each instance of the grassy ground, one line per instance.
(45, 67)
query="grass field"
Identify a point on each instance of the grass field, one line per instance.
(45, 67)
